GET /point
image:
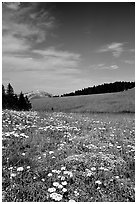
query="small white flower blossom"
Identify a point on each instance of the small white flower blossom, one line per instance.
(98, 182)
(71, 201)
(12, 174)
(56, 196)
(55, 184)
(63, 168)
(49, 174)
(64, 190)
(62, 178)
(51, 190)
(28, 167)
(93, 169)
(20, 168)
(43, 179)
(64, 183)
(51, 152)
(60, 186)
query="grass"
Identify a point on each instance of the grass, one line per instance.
(65, 157)
(123, 102)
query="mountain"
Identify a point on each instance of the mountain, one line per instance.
(37, 94)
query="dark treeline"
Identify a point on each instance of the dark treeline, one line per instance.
(104, 88)
(10, 100)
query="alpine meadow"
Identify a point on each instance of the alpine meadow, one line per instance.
(68, 102)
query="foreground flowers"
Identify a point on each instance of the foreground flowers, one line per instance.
(67, 157)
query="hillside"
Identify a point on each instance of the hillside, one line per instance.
(119, 102)
(37, 94)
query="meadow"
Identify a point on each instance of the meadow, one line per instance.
(120, 102)
(67, 157)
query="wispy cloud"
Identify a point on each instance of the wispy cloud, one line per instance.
(104, 67)
(115, 48)
(129, 62)
(25, 28)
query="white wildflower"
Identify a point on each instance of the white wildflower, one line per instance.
(51, 152)
(98, 182)
(12, 175)
(63, 168)
(43, 179)
(60, 186)
(64, 183)
(23, 154)
(56, 196)
(64, 190)
(28, 167)
(51, 189)
(50, 174)
(10, 168)
(71, 201)
(20, 168)
(55, 184)
(62, 177)
(93, 169)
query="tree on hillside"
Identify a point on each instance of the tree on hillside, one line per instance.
(10, 97)
(28, 104)
(10, 90)
(4, 101)
(21, 102)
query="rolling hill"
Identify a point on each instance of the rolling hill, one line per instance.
(120, 102)
(37, 94)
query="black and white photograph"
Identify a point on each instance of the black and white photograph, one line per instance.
(68, 101)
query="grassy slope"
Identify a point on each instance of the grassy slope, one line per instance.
(111, 102)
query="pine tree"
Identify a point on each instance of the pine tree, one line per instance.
(4, 99)
(28, 104)
(21, 102)
(10, 97)
(10, 90)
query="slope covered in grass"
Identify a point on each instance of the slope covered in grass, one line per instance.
(109, 103)
(65, 157)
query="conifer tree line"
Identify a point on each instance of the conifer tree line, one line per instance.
(10, 100)
(103, 88)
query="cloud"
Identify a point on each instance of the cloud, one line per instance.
(25, 27)
(26, 22)
(115, 48)
(129, 61)
(104, 67)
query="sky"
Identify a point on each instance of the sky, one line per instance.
(62, 47)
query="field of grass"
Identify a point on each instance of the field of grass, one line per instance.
(68, 157)
(102, 103)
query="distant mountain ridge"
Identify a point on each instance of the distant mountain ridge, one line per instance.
(37, 94)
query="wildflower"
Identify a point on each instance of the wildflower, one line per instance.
(93, 169)
(55, 184)
(20, 169)
(23, 154)
(51, 152)
(64, 190)
(28, 167)
(62, 177)
(76, 193)
(71, 201)
(12, 175)
(60, 186)
(63, 168)
(43, 179)
(117, 177)
(64, 183)
(98, 182)
(51, 189)
(49, 174)
(10, 168)
(56, 196)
